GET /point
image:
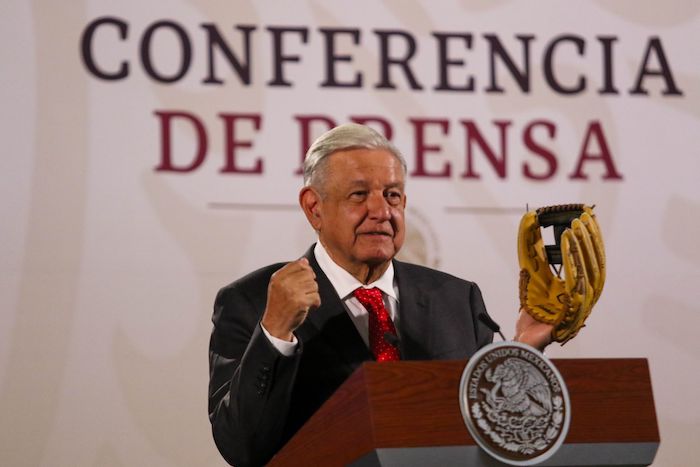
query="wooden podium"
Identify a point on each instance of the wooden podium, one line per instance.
(407, 413)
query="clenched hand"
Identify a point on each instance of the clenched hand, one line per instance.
(292, 292)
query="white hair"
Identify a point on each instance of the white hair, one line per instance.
(343, 138)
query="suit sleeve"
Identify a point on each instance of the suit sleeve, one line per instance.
(483, 334)
(249, 381)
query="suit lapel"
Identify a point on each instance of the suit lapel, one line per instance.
(331, 322)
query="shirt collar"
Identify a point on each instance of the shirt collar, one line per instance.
(345, 283)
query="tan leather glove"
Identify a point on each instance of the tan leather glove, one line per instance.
(563, 302)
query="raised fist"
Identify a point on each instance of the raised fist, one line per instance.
(291, 294)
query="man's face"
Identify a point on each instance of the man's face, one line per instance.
(360, 217)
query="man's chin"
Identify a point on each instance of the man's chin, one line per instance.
(378, 256)
(376, 249)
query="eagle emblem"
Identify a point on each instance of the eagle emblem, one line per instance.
(518, 388)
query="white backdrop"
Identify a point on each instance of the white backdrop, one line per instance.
(110, 267)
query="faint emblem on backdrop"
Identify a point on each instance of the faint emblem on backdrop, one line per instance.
(421, 245)
(515, 403)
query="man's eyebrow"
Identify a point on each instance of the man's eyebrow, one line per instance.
(365, 183)
(358, 183)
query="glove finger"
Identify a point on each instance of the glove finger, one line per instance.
(588, 297)
(576, 286)
(597, 240)
(587, 252)
(575, 277)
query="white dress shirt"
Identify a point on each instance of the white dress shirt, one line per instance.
(345, 284)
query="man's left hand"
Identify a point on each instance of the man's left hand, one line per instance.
(532, 332)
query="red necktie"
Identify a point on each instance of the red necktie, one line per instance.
(379, 324)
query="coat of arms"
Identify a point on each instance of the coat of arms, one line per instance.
(515, 403)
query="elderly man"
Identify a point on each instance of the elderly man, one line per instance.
(286, 336)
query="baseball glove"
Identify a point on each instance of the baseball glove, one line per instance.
(546, 296)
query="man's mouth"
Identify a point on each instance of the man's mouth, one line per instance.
(377, 233)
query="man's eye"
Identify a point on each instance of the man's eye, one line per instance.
(358, 195)
(394, 197)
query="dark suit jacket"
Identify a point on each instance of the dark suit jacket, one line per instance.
(258, 398)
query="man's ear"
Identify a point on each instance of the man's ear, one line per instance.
(310, 202)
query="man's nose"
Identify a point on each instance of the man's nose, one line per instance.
(378, 207)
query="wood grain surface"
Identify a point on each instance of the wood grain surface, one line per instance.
(416, 404)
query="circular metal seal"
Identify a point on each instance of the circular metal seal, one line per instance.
(515, 403)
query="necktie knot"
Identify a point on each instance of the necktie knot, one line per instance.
(370, 298)
(380, 324)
